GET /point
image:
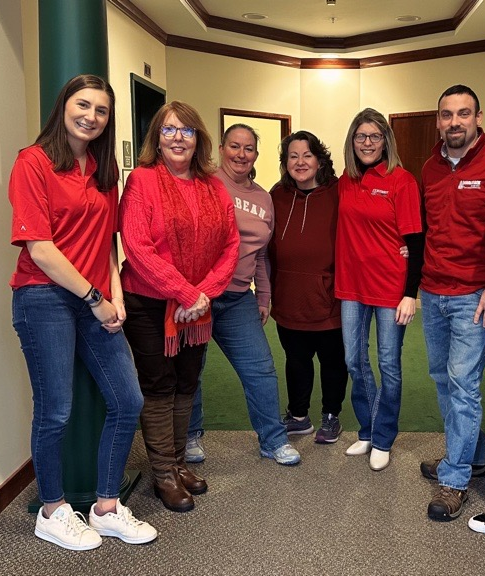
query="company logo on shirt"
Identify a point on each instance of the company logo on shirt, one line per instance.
(469, 184)
(23, 228)
(377, 192)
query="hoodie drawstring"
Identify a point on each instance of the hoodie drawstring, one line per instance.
(291, 212)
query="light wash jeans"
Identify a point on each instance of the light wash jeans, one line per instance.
(237, 330)
(456, 348)
(376, 408)
(53, 324)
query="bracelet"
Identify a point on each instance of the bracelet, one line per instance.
(96, 303)
(88, 292)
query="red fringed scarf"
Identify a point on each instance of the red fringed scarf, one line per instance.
(194, 250)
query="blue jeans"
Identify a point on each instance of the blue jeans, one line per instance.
(53, 325)
(237, 330)
(456, 348)
(196, 425)
(376, 408)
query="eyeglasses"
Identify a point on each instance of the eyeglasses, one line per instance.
(185, 131)
(360, 137)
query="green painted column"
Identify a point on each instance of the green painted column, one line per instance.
(73, 40)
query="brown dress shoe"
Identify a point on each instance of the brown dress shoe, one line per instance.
(193, 483)
(169, 488)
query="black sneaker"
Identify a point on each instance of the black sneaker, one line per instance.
(447, 504)
(428, 469)
(294, 426)
(329, 431)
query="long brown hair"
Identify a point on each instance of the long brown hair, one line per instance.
(53, 137)
(201, 164)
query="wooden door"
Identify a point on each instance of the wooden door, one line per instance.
(416, 134)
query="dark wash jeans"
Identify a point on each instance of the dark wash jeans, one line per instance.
(53, 324)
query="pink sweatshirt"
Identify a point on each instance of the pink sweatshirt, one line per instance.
(255, 221)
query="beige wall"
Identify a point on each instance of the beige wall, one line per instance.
(129, 48)
(413, 87)
(210, 82)
(15, 402)
(329, 101)
(322, 101)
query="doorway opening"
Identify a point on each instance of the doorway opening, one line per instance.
(146, 99)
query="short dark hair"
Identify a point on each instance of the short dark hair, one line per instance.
(460, 89)
(53, 137)
(252, 131)
(317, 148)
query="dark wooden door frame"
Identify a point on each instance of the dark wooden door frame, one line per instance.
(284, 119)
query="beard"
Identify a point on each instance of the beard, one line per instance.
(457, 142)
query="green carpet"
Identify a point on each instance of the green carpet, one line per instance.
(225, 405)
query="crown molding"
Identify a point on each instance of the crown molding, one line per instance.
(169, 40)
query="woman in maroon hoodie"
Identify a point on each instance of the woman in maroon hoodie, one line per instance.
(302, 253)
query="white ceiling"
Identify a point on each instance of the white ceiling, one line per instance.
(313, 18)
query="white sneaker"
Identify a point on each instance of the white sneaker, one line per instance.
(122, 525)
(477, 523)
(67, 529)
(286, 455)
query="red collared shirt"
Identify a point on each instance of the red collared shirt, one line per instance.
(375, 212)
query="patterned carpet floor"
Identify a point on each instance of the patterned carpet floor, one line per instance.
(329, 516)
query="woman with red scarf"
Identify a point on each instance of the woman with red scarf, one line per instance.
(181, 244)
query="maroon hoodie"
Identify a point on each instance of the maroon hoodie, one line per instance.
(302, 255)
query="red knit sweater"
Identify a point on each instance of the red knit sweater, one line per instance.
(148, 269)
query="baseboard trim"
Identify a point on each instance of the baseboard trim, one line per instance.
(17, 482)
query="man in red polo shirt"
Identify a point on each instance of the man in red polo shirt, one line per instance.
(452, 294)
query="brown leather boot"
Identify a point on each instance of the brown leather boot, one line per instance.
(157, 428)
(194, 484)
(169, 488)
(182, 410)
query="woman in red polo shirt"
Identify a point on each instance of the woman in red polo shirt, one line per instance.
(67, 299)
(379, 211)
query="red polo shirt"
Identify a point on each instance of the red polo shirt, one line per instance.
(375, 213)
(66, 208)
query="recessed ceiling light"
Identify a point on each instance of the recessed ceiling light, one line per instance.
(254, 16)
(408, 18)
